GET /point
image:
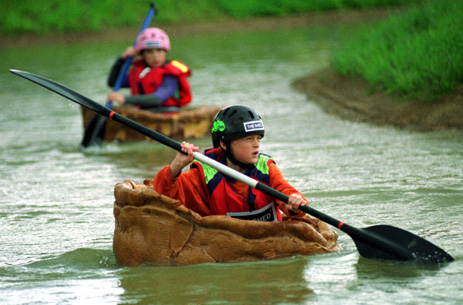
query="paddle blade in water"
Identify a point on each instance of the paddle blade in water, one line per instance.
(388, 243)
(94, 131)
(414, 247)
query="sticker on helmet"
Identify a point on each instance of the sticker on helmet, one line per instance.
(153, 44)
(218, 126)
(254, 125)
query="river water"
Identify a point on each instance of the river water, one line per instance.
(56, 219)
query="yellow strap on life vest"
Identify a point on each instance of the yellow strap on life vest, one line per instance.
(179, 65)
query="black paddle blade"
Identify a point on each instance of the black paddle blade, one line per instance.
(94, 131)
(64, 91)
(413, 247)
(384, 242)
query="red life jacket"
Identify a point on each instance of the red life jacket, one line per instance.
(145, 83)
(224, 200)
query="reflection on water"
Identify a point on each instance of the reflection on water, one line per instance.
(368, 269)
(279, 281)
(56, 201)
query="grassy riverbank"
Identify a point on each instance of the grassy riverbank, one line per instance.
(417, 54)
(405, 71)
(56, 16)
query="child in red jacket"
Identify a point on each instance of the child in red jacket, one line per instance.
(236, 134)
(156, 83)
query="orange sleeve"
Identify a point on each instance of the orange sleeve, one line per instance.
(278, 182)
(188, 188)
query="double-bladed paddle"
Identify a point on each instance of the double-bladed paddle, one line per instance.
(95, 129)
(380, 242)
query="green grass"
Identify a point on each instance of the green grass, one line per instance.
(417, 54)
(51, 16)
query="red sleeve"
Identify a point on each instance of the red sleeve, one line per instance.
(278, 182)
(188, 188)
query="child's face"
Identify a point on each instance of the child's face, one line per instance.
(246, 149)
(154, 57)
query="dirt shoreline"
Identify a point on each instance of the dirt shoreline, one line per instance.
(351, 99)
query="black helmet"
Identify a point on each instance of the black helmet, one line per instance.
(235, 122)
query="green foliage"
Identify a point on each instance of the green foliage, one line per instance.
(29, 16)
(249, 8)
(417, 54)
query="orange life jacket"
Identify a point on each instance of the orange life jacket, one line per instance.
(225, 201)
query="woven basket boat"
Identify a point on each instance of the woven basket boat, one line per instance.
(156, 230)
(187, 124)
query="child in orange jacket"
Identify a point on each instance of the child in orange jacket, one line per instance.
(236, 134)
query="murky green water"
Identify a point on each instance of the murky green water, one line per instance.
(56, 219)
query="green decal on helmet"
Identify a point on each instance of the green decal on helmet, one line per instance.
(235, 121)
(218, 126)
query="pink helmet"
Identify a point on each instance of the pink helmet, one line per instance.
(152, 38)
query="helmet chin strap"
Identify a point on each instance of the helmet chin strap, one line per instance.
(229, 154)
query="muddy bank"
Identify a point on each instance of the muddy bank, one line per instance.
(352, 100)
